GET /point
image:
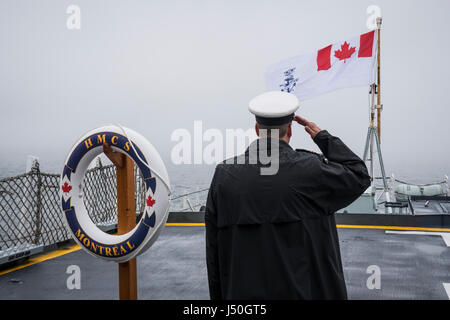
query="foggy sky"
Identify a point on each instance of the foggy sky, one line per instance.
(156, 66)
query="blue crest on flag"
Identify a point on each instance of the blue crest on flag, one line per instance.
(289, 81)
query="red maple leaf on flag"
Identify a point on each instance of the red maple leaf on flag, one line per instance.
(150, 201)
(345, 52)
(66, 187)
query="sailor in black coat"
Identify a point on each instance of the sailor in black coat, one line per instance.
(274, 236)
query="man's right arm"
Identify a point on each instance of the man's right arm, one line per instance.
(343, 177)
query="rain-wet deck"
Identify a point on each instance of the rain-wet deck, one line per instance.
(413, 266)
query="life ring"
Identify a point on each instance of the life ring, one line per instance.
(118, 248)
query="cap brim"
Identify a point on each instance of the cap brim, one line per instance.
(274, 121)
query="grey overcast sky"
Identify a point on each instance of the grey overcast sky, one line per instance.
(156, 66)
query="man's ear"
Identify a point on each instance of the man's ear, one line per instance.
(289, 132)
(257, 129)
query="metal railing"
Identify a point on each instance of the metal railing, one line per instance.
(30, 213)
(187, 204)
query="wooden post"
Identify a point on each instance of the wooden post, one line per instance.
(378, 81)
(126, 221)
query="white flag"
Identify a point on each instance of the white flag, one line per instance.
(344, 64)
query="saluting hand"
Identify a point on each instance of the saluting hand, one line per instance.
(310, 127)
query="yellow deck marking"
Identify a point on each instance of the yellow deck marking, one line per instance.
(41, 258)
(351, 226)
(61, 252)
(187, 224)
(344, 226)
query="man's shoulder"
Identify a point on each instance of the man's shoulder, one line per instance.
(312, 154)
(239, 159)
(229, 163)
(286, 155)
(307, 152)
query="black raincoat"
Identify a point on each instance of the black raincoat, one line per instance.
(274, 236)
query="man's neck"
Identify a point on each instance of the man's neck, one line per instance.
(285, 138)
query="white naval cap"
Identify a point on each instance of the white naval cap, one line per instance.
(274, 108)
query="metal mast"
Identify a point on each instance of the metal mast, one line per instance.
(373, 133)
(379, 105)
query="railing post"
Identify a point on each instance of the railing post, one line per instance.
(38, 219)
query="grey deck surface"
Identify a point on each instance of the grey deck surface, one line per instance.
(412, 267)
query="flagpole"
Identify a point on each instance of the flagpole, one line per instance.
(379, 106)
(373, 133)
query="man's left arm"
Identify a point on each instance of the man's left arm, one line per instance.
(212, 255)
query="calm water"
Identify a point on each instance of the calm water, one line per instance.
(190, 177)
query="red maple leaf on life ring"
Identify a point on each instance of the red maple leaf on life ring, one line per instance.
(66, 187)
(150, 201)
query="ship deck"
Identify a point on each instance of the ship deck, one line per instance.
(413, 264)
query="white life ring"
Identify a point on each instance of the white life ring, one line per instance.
(118, 248)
